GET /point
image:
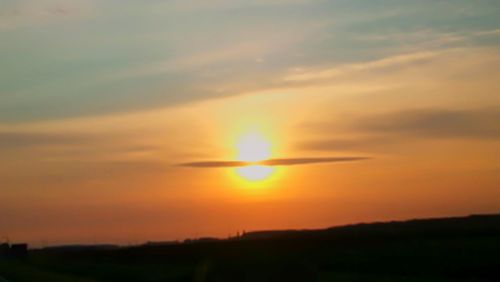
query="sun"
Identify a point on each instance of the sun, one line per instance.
(252, 148)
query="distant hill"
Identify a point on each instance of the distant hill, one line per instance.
(69, 248)
(469, 225)
(443, 249)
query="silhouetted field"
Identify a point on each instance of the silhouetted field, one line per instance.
(450, 249)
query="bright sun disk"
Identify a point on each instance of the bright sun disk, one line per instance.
(253, 147)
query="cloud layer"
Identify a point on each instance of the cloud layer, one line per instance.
(436, 123)
(272, 162)
(99, 57)
(381, 131)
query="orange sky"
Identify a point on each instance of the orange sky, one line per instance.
(426, 115)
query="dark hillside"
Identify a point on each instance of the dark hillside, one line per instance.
(448, 249)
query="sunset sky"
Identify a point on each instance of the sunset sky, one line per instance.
(127, 121)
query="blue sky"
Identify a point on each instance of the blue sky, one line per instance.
(82, 58)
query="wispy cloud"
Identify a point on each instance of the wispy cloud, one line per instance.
(397, 60)
(493, 32)
(32, 13)
(196, 6)
(76, 147)
(272, 162)
(382, 131)
(436, 123)
(360, 143)
(137, 56)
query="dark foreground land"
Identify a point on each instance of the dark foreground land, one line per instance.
(450, 249)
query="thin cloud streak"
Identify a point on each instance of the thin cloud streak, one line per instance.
(207, 164)
(392, 61)
(272, 162)
(387, 129)
(436, 123)
(345, 144)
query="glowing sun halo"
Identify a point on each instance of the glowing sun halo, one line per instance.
(253, 148)
(255, 172)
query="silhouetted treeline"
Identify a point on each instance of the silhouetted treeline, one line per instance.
(449, 249)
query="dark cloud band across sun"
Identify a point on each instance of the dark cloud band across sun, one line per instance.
(272, 162)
